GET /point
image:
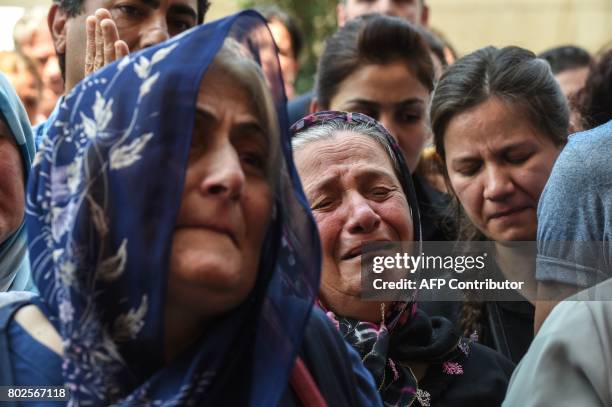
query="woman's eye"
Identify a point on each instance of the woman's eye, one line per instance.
(469, 170)
(321, 204)
(254, 160)
(409, 117)
(518, 158)
(380, 192)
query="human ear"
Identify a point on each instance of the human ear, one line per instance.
(56, 20)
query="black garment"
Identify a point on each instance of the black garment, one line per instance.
(483, 383)
(507, 326)
(436, 224)
(299, 107)
(340, 377)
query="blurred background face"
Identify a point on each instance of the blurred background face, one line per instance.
(498, 164)
(355, 197)
(28, 91)
(12, 179)
(40, 49)
(286, 55)
(394, 96)
(226, 204)
(572, 80)
(413, 11)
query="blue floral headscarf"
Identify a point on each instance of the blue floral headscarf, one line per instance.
(14, 263)
(102, 204)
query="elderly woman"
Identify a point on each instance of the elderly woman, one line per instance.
(381, 66)
(177, 264)
(499, 120)
(16, 155)
(359, 190)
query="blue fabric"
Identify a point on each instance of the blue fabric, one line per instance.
(102, 205)
(575, 213)
(40, 130)
(14, 264)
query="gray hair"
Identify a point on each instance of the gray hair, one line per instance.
(234, 59)
(329, 130)
(28, 24)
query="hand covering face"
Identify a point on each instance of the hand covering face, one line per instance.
(102, 205)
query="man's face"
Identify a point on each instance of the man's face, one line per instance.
(413, 11)
(140, 23)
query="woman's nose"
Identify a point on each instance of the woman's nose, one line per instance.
(362, 217)
(498, 183)
(224, 177)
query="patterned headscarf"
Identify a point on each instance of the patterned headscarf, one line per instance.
(102, 205)
(14, 263)
(404, 334)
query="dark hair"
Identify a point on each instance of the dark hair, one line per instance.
(566, 57)
(594, 100)
(512, 74)
(274, 13)
(515, 76)
(436, 45)
(371, 39)
(74, 7)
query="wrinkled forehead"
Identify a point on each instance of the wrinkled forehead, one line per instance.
(342, 150)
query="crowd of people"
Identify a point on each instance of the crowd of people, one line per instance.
(179, 227)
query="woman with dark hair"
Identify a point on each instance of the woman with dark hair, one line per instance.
(359, 189)
(499, 120)
(177, 265)
(381, 66)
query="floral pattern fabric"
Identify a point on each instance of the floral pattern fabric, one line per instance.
(102, 204)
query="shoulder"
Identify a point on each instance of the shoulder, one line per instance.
(557, 369)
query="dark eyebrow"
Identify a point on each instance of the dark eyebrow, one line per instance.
(363, 102)
(414, 102)
(242, 131)
(175, 8)
(184, 10)
(151, 3)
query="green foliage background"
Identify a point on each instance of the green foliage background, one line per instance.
(316, 19)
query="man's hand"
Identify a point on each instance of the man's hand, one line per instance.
(103, 43)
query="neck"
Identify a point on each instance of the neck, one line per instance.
(181, 329)
(518, 263)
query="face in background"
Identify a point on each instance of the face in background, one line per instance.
(40, 49)
(355, 197)
(286, 55)
(572, 80)
(28, 90)
(226, 204)
(394, 96)
(140, 24)
(414, 11)
(12, 180)
(498, 164)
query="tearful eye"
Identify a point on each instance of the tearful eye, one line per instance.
(322, 204)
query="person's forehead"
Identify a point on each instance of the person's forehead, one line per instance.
(89, 5)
